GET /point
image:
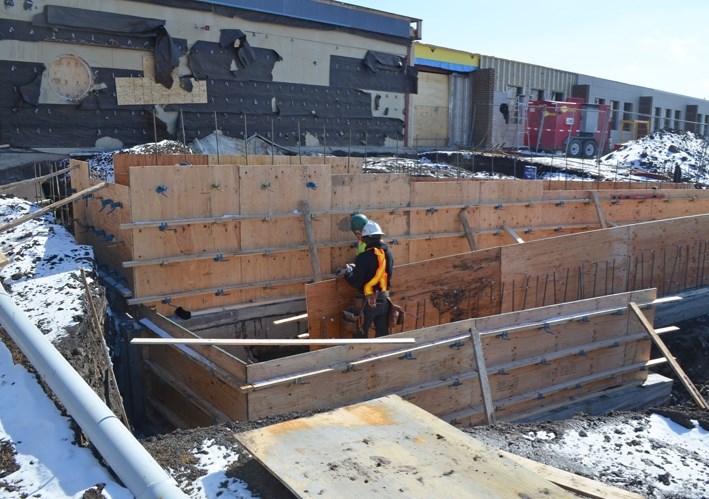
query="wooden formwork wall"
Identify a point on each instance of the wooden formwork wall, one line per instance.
(212, 235)
(670, 255)
(534, 360)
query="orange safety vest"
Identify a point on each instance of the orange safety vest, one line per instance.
(381, 277)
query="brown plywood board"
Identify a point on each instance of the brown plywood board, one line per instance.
(122, 162)
(307, 455)
(366, 192)
(267, 190)
(513, 215)
(433, 292)
(170, 193)
(444, 192)
(502, 191)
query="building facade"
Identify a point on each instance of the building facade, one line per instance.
(82, 76)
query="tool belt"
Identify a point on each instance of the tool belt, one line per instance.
(377, 296)
(396, 315)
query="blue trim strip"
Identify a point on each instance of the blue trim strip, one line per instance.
(324, 13)
(450, 66)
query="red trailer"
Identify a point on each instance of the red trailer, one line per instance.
(575, 127)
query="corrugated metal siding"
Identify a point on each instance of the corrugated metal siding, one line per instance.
(529, 76)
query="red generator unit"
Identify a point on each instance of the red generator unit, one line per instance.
(579, 129)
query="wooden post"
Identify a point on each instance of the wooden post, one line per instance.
(309, 234)
(482, 377)
(50, 207)
(599, 209)
(468, 230)
(668, 355)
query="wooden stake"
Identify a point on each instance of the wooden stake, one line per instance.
(482, 377)
(599, 209)
(99, 333)
(698, 399)
(468, 231)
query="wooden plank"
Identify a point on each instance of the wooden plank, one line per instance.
(3, 260)
(7, 187)
(468, 231)
(482, 377)
(48, 208)
(698, 399)
(326, 453)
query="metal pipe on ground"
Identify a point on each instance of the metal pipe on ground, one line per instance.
(124, 454)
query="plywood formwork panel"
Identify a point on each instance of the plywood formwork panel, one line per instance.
(505, 191)
(217, 390)
(266, 190)
(434, 193)
(425, 249)
(175, 240)
(496, 216)
(441, 362)
(559, 259)
(168, 403)
(670, 255)
(170, 193)
(367, 192)
(433, 292)
(122, 162)
(562, 213)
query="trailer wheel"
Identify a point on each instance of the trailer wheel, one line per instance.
(574, 148)
(590, 149)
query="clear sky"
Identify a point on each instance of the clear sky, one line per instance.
(659, 44)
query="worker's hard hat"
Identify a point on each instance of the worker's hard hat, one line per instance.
(358, 221)
(372, 229)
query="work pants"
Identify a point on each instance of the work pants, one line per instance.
(379, 316)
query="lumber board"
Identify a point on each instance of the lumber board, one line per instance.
(301, 451)
(310, 237)
(483, 377)
(684, 379)
(469, 235)
(53, 206)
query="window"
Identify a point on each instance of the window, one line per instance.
(668, 118)
(557, 96)
(537, 94)
(599, 101)
(699, 127)
(678, 118)
(615, 107)
(657, 121)
(706, 125)
(627, 115)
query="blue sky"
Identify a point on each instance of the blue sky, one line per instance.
(652, 43)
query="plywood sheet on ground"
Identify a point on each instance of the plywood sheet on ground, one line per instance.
(387, 447)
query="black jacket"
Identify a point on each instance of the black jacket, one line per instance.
(366, 266)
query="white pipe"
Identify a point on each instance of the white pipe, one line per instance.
(125, 455)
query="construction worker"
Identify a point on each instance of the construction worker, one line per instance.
(371, 275)
(357, 223)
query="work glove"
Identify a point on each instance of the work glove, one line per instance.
(347, 269)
